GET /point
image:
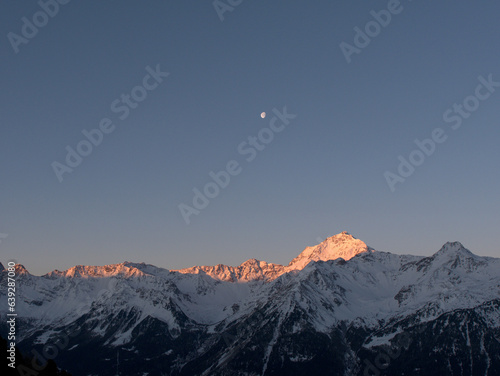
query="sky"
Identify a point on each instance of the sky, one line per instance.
(171, 91)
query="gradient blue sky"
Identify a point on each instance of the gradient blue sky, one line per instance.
(322, 175)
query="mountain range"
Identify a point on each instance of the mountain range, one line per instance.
(338, 308)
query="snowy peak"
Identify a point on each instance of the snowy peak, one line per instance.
(81, 271)
(453, 255)
(255, 269)
(250, 270)
(342, 245)
(21, 270)
(452, 248)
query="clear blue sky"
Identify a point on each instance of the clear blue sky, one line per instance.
(321, 175)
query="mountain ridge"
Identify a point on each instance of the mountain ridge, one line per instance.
(319, 312)
(342, 245)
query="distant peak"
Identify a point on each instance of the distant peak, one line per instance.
(342, 245)
(453, 245)
(21, 270)
(252, 261)
(453, 248)
(125, 269)
(251, 269)
(453, 255)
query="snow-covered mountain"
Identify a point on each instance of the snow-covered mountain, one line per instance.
(342, 245)
(339, 308)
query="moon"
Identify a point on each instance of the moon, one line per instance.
(263, 115)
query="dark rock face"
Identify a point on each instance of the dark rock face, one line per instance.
(455, 343)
